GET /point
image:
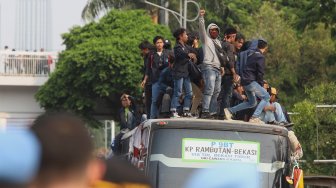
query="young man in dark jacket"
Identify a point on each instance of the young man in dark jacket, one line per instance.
(230, 73)
(145, 48)
(180, 73)
(158, 60)
(252, 81)
(196, 80)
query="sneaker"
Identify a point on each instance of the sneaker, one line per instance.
(174, 115)
(205, 115)
(256, 120)
(276, 123)
(228, 114)
(287, 125)
(187, 115)
(213, 115)
(284, 124)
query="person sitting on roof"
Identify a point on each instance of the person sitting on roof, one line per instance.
(274, 113)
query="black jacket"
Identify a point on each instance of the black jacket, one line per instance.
(145, 64)
(157, 63)
(132, 120)
(229, 49)
(254, 69)
(180, 68)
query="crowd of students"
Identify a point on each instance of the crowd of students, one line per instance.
(208, 78)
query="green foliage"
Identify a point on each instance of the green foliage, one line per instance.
(228, 13)
(101, 61)
(322, 11)
(93, 8)
(293, 58)
(306, 122)
(316, 50)
(284, 49)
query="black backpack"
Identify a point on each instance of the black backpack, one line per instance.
(221, 54)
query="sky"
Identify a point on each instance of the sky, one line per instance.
(65, 14)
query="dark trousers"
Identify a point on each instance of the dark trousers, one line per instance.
(116, 145)
(226, 93)
(148, 99)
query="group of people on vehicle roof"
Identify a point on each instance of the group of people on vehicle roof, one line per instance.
(207, 78)
(214, 80)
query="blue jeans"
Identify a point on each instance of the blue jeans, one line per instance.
(212, 80)
(226, 92)
(278, 115)
(252, 90)
(154, 113)
(267, 116)
(178, 87)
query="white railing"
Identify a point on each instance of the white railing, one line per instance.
(20, 63)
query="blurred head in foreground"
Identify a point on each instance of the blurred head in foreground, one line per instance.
(19, 158)
(121, 174)
(67, 152)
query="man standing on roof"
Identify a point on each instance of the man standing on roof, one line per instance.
(211, 67)
(145, 48)
(252, 77)
(180, 73)
(158, 60)
(230, 72)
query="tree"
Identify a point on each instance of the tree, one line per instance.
(223, 12)
(306, 122)
(322, 11)
(283, 53)
(317, 56)
(228, 13)
(294, 60)
(94, 8)
(101, 61)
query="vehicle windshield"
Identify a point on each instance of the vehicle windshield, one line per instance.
(176, 153)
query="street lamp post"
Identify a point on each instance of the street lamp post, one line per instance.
(182, 15)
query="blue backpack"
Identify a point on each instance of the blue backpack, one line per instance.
(242, 58)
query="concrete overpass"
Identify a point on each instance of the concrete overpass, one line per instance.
(21, 75)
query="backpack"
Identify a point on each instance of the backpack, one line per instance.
(194, 71)
(221, 54)
(242, 57)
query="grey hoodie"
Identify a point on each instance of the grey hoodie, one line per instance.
(209, 50)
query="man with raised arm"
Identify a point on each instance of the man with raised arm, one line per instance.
(211, 67)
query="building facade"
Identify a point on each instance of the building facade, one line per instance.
(33, 25)
(21, 75)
